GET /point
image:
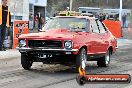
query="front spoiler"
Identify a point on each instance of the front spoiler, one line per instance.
(43, 49)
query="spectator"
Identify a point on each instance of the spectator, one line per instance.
(131, 17)
(124, 20)
(5, 21)
(39, 21)
(42, 21)
(101, 17)
(96, 16)
(36, 21)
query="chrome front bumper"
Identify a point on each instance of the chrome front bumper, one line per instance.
(117, 47)
(42, 49)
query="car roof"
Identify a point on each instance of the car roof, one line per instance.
(83, 17)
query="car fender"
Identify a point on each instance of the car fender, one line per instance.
(79, 46)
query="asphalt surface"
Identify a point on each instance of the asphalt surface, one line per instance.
(12, 75)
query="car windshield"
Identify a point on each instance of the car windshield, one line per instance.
(72, 24)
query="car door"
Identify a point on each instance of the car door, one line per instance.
(104, 37)
(94, 37)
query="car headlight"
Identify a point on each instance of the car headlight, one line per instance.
(22, 43)
(68, 44)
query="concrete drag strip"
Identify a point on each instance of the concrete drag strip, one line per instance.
(9, 54)
(123, 42)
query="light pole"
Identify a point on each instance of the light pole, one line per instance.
(120, 12)
(107, 3)
(15, 4)
(71, 1)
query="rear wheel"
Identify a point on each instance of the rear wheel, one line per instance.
(81, 59)
(105, 60)
(26, 62)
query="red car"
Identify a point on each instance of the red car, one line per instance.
(68, 41)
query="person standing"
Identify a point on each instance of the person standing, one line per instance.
(5, 21)
(36, 21)
(124, 20)
(42, 21)
(39, 21)
(131, 18)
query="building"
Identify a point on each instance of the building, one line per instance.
(36, 6)
(19, 9)
(95, 10)
(26, 9)
(110, 12)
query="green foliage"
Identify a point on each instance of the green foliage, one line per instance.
(60, 5)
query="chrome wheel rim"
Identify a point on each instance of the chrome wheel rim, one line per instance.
(83, 58)
(107, 59)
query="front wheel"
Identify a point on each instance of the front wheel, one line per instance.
(81, 59)
(105, 60)
(26, 62)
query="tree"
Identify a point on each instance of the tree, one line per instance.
(59, 5)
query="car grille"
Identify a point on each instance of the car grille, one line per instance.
(44, 44)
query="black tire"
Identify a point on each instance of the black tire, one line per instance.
(81, 80)
(81, 56)
(105, 60)
(26, 62)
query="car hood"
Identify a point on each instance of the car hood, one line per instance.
(51, 34)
